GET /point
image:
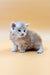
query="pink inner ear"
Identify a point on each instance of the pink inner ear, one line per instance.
(13, 26)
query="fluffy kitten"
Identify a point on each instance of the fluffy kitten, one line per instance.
(24, 38)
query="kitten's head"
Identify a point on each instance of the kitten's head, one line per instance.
(19, 29)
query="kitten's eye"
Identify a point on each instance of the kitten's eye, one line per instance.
(24, 30)
(19, 30)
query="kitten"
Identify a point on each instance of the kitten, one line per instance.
(24, 38)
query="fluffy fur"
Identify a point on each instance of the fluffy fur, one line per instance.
(24, 38)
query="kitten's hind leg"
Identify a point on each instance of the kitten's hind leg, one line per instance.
(40, 49)
(15, 48)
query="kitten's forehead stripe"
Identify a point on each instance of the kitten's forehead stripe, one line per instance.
(20, 24)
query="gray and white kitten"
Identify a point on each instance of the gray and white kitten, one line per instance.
(24, 38)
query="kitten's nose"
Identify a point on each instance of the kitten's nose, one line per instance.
(22, 34)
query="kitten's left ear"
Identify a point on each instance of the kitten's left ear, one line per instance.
(27, 24)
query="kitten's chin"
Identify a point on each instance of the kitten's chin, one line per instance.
(21, 36)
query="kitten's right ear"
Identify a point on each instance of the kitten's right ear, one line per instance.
(27, 24)
(13, 25)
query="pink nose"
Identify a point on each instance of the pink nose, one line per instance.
(22, 34)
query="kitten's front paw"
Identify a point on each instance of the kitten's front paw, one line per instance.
(14, 50)
(22, 51)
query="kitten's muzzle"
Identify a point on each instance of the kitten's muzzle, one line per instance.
(22, 34)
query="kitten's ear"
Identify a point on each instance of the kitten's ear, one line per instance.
(13, 25)
(27, 24)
